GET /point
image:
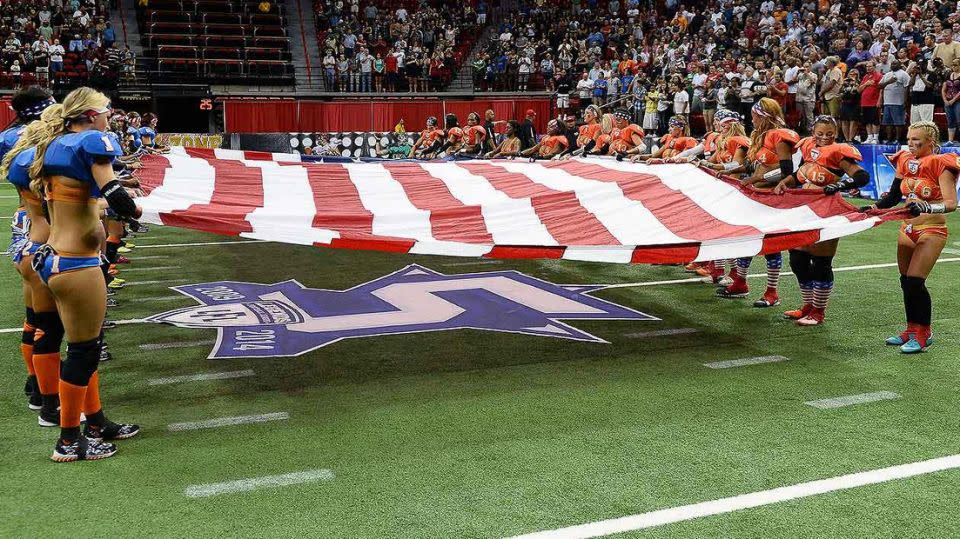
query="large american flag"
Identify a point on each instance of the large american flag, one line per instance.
(591, 209)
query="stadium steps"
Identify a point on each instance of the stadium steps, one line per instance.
(302, 29)
(124, 22)
(463, 81)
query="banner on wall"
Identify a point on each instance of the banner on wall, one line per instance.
(190, 140)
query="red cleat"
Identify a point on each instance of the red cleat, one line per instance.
(769, 299)
(799, 313)
(738, 289)
(123, 260)
(815, 318)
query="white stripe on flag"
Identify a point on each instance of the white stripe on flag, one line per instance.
(384, 197)
(510, 221)
(627, 220)
(229, 155)
(288, 207)
(188, 181)
(287, 157)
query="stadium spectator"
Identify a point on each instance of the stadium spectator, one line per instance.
(849, 118)
(895, 84)
(527, 131)
(951, 101)
(869, 101)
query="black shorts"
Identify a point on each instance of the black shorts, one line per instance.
(870, 115)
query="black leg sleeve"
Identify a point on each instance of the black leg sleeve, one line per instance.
(800, 265)
(82, 361)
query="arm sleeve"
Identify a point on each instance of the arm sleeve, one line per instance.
(692, 152)
(893, 196)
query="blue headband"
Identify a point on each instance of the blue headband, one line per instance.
(35, 110)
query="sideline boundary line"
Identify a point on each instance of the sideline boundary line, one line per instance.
(750, 500)
(624, 285)
(254, 483)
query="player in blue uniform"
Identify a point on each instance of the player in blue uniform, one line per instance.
(133, 138)
(148, 131)
(73, 168)
(28, 103)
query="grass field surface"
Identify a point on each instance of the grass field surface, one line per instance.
(471, 433)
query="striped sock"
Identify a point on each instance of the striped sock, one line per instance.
(806, 292)
(743, 264)
(774, 263)
(821, 294)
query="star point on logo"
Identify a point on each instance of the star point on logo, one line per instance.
(287, 319)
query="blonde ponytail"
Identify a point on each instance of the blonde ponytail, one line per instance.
(30, 136)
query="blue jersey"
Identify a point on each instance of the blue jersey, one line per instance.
(136, 143)
(149, 132)
(8, 139)
(72, 155)
(19, 173)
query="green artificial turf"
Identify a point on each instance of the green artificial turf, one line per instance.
(478, 434)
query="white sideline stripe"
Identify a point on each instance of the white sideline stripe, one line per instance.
(198, 244)
(746, 501)
(254, 483)
(623, 285)
(764, 275)
(155, 298)
(951, 251)
(228, 421)
(150, 257)
(850, 400)
(743, 362)
(660, 333)
(167, 281)
(10, 196)
(225, 375)
(178, 344)
(154, 268)
(477, 263)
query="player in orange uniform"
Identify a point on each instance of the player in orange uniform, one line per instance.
(454, 136)
(429, 141)
(628, 136)
(510, 145)
(603, 137)
(671, 144)
(928, 180)
(771, 156)
(589, 131)
(552, 144)
(474, 135)
(824, 162)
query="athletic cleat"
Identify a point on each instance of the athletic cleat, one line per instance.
(82, 449)
(898, 340)
(735, 290)
(123, 260)
(116, 284)
(693, 267)
(105, 354)
(111, 302)
(128, 245)
(723, 282)
(912, 346)
(108, 324)
(34, 402)
(111, 431)
(797, 314)
(814, 318)
(769, 299)
(48, 418)
(124, 250)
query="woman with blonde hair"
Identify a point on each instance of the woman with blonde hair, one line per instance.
(72, 169)
(771, 156)
(41, 308)
(928, 180)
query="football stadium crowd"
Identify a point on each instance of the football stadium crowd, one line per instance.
(772, 83)
(64, 43)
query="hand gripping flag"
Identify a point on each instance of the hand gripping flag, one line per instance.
(582, 209)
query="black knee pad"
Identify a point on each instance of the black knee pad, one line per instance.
(822, 268)
(50, 333)
(916, 299)
(800, 265)
(82, 361)
(26, 336)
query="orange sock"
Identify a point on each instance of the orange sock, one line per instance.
(91, 401)
(71, 402)
(48, 372)
(26, 348)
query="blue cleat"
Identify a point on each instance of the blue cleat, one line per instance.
(911, 347)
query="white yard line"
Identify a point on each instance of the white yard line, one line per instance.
(178, 344)
(743, 362)
(254, 483)
(660, 333)
(951, 251)
(136, 258)
(228, 421)
(683, 513)
(155, 298)
(850, 400)
(167, 281)
(225, 375)
(155, 268)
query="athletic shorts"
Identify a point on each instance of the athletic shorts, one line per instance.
(915, 232)
(29, 249)
(869, 115)
(48, 263)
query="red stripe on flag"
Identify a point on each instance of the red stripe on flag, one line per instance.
(560, 211)
(338, 202)
(508, 251)
(676, 211)
(390, 246)
(665, 254)
(237, 191)
(775, 243)
(450, 219)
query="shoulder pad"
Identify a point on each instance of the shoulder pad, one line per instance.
(951, 161)
(99, 143)
(847, 151)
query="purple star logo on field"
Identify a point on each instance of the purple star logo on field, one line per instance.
(288, 319)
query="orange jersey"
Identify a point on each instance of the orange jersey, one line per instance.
(552, 145)
(429, 136)
(767, 154)
(587, 133)
(475, 134)
(623, 139)
(921, 175)
(511, 145)
(454, 135)
(672, 146)
(727, 152)
(820, 165)
(710, 144)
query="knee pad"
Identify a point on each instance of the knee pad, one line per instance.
(82, 361)
(800, 265)
(49, 334)
(822, 268)
(913, 285)
(774, 260)
(29, 327)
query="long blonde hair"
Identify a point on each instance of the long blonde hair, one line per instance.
(735, 129)
(770, 118)
(31, 135)
(74, 105)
